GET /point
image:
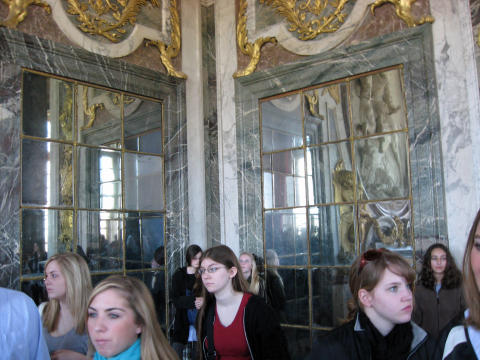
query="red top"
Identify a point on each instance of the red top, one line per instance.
(230, 342)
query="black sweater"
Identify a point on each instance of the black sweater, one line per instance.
(182, 281)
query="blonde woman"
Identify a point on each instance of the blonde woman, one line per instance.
(122, 323)
(250, 273)
(68, 284)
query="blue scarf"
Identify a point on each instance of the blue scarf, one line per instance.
(132, 353)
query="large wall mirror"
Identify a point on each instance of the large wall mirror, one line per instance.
(92, 164)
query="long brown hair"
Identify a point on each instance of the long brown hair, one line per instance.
(78, 285)
(470, 288)
(154, 345)
(452, 277)
(367, 270)
(223, 255)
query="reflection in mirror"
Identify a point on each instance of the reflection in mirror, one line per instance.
(99, 178)
(330, 176)
(299, 342)
(47, 173)
(143, 125)
(378, 103)
(47, 107)
(332, 235)
(383, 166)
(286, 234)
(296, 296)
(143, 182)
(144, 233)
(99, 117)
(282, 123)
(386, 224)
(330, 296)
(44, 233)
(100, 239)
(326, 114)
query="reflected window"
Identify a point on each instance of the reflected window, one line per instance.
(336, 182)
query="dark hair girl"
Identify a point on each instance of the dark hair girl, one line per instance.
(438, 294)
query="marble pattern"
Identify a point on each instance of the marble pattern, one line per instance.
(21, 50)
(413, 49)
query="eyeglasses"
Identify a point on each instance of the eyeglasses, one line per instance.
(370, 255)
(210, 270)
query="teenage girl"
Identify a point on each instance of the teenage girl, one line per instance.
(250, 273)
(380, 312)
(233, 323)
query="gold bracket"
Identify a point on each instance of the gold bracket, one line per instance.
(172, 50)
(403, 9)
(90, 111)
(312, 101)
(247, 48)
(17, 11)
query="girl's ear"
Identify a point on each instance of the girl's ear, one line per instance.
(232, 272)
(365, 298)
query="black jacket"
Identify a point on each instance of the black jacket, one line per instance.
(456, 345)
(350, 342)
(265, 338)
(182, 281)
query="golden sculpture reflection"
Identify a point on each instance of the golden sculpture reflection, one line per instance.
(17, 11)
(403, 9)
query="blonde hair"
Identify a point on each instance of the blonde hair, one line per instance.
(470, 287)
(154, 345)
(78, 286)
(254, 287)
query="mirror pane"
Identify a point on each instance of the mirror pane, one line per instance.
(155, 281)
(298, 342)
(332, 235)
(330, 177)
(378, 103)
(143, 182)
(143, 125)
(326, 114)
(99, 117)
(382, 167)
(145, 236)
(47, 173)
(331, 293)
(282, 123)
(44, 233)
(386, 224)
(288, 177)
(100, 238)
(286, 237)
(295, 282)
(48, 107)
(99, 174)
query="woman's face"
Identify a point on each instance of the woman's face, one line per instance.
(438, 261)
(111, 323)
(195, 261)
(390, 302)
(246, 265)
(215, 276)
(55, 282)
(475, 256)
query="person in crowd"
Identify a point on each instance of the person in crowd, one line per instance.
(155, 281)
(379, 325)
(122, 323)
(461, 338)
(187, 302)
(68, 284)
(438, 293)
(20, 328)
(233, 323)
(275, 290)
(250, 273)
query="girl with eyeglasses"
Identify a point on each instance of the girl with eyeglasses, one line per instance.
(438, 293)
(233, 323)
(379, 325)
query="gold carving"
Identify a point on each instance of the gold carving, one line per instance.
(247, 48)
(172, 50)
(298, 16)
(334, 92)
(90, 111)
(403, 9)
(123, 12)
(312, 101)
(17, 10)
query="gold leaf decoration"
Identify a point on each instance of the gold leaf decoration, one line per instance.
(326, 16)
(403, 9)
(247, 48)
(89, 110)
(17, 11)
